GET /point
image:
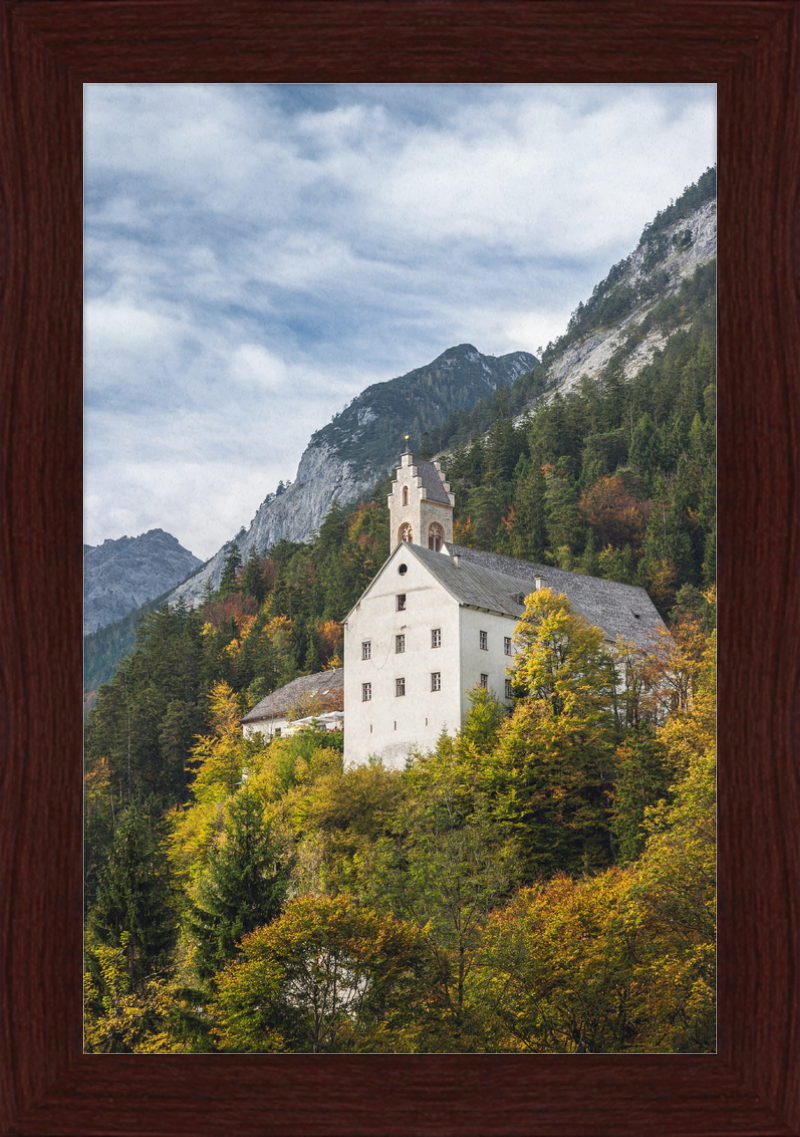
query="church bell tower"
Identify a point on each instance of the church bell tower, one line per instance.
(420, 504)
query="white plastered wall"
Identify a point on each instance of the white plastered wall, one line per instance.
(389, 725)
(493, 662)
(267, 727)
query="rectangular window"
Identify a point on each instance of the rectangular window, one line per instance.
(507, 645)
(401, 602)
(484, 681)
(484, 641)
(399, 644)
(366, 692)
(400, 687)
(508, 689)
(436, 637)
(436, 681)
(366, 650)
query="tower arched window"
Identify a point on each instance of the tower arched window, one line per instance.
(435, 536)
(405, 495)
(405, 533)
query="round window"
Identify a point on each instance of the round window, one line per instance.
(402, 569)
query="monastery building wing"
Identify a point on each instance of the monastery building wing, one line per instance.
(439, 619)
(271, 716)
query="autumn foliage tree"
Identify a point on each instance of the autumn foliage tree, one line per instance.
(617, 516)
(219, 757)
(328, 975)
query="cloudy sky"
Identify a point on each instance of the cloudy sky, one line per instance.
(257, 255)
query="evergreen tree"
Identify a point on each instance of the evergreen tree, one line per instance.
(233, 562)
(135, 897)
(333, 531)
(532, 513)
(565, 522)
(645, 449)
(254, 580)
(243, 887)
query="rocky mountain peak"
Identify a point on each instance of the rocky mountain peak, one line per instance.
(124, 572)
(631, 292)
(361, 444)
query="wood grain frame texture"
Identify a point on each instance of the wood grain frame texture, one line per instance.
(49, 49)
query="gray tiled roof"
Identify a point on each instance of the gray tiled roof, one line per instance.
(277, 704)
(617, 609)
(475, 585)
(431, 481)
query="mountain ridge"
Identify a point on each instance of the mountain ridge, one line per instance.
(124, 573)
(619, 329)
(591, 354)
(345, 458)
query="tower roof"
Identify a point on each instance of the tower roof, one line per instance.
(432, 481)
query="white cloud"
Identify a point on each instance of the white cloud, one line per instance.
(257, 255)
(252, 365)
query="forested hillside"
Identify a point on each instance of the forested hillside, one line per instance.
(543, 880)
(616, 479)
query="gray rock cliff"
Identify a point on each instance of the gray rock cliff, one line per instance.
(590, 354)
(122, 574)
(347, 457)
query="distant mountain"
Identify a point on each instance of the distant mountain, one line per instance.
(347, 457)
(643, 301)
(121, 575)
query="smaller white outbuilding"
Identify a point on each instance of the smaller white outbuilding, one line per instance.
(272, 716)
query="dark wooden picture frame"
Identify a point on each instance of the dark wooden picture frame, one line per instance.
(49, 49)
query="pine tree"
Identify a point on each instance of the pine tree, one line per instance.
(243, 887)
(254, 582)
(136, 896)
(233, 563)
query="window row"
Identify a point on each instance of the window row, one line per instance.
(483, 640)
(400, 686)
(400, 643)
(436, 685)
(436, 641)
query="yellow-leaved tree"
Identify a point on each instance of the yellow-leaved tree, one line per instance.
(676, 880)
(220, 755)
(327, 975)
(551, 772)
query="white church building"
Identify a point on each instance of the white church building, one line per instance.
(439, 618)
